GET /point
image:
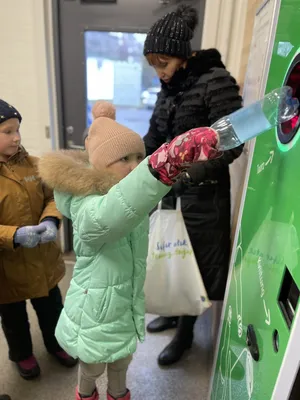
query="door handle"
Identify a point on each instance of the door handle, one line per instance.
(72, 145)
(70, 130)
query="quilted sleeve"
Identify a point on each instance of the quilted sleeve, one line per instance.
(108, 218)
(222, 98)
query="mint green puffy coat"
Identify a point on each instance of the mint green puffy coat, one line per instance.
(104, 309)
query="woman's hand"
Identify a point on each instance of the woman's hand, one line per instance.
(196, 145)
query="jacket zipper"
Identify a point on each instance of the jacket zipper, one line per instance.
(19, 183)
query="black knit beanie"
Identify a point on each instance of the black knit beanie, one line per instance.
(7, 112)
(172, 34)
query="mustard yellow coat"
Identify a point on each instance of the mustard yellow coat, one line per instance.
(25, 273)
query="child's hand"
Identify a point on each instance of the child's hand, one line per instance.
(196, 145)
(50, 232)
(29, 236)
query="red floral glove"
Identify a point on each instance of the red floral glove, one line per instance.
(196, 145)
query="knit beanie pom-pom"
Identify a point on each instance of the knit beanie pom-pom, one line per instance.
(104, 109)
(189, 15)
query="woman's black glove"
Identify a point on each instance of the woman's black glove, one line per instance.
(179, 188)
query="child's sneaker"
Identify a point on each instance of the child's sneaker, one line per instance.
(126, 397)
(29, 368)
(95, 396)
(64, 359)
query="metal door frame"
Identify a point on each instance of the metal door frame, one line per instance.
(59, 104)
(100, 28)
(58, 72)
(57, 47)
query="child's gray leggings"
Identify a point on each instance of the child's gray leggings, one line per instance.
(116, 374)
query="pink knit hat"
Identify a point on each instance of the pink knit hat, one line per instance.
(109, 141)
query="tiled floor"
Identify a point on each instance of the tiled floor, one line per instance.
(188, 380)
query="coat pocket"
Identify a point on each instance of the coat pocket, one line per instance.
(15, 269)
(101, 304)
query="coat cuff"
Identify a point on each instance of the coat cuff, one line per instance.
(55, 220)
(7, 240)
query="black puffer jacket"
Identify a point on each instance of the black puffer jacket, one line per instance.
(198, 96)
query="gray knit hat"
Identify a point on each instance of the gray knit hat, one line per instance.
(172, 34)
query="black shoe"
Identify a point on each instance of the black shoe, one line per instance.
(29, 369)
(174, 351)
(4, 397)
(161, 324)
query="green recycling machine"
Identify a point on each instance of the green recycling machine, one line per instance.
(259, 341)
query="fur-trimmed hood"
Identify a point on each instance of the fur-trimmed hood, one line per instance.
(69, 171)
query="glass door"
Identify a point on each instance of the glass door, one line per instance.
(117, 71)
(99, 56)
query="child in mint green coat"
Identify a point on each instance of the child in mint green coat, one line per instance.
(108, 192)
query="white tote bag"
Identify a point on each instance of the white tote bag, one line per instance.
(173, 285)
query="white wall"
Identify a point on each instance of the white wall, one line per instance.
(23, 72)
(224, 29)
(27, 71)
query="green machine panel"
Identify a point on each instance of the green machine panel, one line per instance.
(263, 290)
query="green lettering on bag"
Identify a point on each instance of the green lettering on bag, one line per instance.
(183, 253)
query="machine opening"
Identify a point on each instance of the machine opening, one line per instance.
(276, 341)
(288, 129)
(288, 297)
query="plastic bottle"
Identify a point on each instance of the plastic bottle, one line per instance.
(275, 108)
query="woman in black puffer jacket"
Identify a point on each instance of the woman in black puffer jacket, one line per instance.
(196, 90)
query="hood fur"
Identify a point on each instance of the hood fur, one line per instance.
(69, 171)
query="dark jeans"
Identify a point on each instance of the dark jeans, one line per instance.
(16, 326)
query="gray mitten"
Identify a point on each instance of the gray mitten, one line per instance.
(29, 236)
(50, 232)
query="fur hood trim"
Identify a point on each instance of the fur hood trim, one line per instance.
(69, 171)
